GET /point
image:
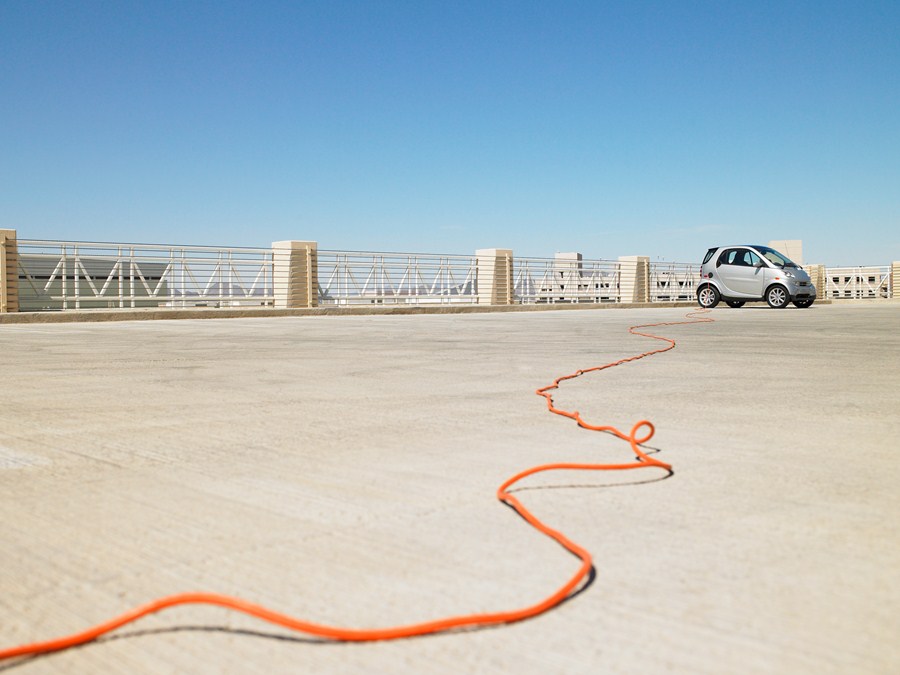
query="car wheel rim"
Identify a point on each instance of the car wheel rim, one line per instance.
(777, 296)
(706, 297)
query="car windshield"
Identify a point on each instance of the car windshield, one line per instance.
(775, 257)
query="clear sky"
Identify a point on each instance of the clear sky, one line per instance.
(608, 128)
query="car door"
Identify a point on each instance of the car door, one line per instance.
(741, 272)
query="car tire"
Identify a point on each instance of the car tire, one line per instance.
(735, 303)
(803, 304)
(778, 297)
(708, 296)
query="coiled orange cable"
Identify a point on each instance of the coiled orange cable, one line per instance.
(439, 625)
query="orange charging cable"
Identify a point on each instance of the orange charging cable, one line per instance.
(440, 625)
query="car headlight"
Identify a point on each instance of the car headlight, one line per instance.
(789, 275)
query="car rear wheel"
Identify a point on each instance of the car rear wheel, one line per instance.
(735, 303)
(777, 297)
(708, 296)
(803, 304)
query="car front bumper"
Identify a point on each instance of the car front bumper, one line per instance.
(802, 291)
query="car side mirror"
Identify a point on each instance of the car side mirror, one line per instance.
(759, 263)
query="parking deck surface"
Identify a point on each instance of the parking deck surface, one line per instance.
(343, 470)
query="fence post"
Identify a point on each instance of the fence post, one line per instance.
(9, 272)
(634, 278)
(495, 276)
(295, 274)
(895, 280)
(817, 279)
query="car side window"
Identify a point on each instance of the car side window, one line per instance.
(727, 257)
(753, 259)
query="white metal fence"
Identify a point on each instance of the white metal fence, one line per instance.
(560, 280)
(858, 282)
(673, 282)
(82, 275)
(365, 278)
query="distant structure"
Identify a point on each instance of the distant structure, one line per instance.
(792, 248)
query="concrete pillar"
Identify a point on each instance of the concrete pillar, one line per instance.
(895, 280)
(9, 272)
(634, 278)
(817, 278)
(495, 276)
(295, 274)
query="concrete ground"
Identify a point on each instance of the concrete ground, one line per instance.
(343, 469)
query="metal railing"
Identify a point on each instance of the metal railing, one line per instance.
(559, 280)
(365, 278)
(857, 282)
(673, 282)
(55, 275)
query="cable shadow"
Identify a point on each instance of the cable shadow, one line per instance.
(25, 660)
(586, 486)
(279, 637)
(214, 629)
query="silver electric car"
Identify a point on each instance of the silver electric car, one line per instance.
(740, 274)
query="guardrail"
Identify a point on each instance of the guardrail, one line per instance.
(560, 280)
(673, 282)
(363, 278)
(82, 275)
(40, 275)
(858, 282)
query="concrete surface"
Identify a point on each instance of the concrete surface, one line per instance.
(343, 469)
(167, 313)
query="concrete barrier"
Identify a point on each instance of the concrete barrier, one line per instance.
(634, 279)
(495, 276)
(817, 278)
(295, 274)
(895, 280)
(9, 272)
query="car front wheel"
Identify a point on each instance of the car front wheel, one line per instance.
(708, 296)
(777, 297)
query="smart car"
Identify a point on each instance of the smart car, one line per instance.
(747, 273)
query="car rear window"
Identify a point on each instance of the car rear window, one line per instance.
(709, 254)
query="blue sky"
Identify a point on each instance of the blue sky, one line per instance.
(651, 128)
